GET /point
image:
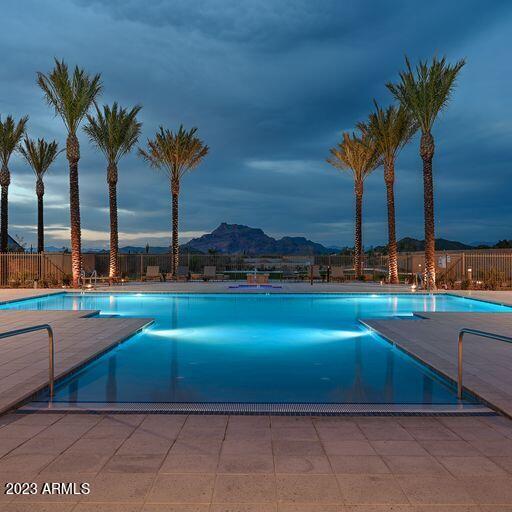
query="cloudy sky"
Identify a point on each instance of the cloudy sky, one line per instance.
(270, 85)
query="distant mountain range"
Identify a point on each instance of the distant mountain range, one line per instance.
(240, 239)
(408, 244)
(128, 249)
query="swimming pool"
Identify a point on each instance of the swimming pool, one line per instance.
(256, 348)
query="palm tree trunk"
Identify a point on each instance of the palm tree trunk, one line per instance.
(114, 236)
(175, 190)
(3, 226)
(73, 156)
(5, 181)
(40, 213)
(40, 224)
(389, 178)
(427, 154)
(358, 239)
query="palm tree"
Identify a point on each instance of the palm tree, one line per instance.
(114, 132)
(175, 153)
(71, 96)
(39, 156)
(424, 92)
(359, 155)
(10, 136)
(390, 130)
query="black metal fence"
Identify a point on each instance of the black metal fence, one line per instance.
(52, 269)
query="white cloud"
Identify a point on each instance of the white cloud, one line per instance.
(285, 166)
(60, 232)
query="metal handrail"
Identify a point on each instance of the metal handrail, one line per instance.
(476, 332)
(51, 348)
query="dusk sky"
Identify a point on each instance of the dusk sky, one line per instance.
(270, 85)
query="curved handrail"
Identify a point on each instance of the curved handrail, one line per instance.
(475, 332)
(51, 348)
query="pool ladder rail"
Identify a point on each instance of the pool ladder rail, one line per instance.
(51, 348)
(475, 332)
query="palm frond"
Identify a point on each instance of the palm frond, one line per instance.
(39, 155)
(70, 96)
(426, 89)
(358, 155)
(390, 129)
(10, 136)
(175, 152)
(114, 131)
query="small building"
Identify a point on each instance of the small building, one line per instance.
(13, 246)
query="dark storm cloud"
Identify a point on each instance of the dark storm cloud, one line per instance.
(270, 85)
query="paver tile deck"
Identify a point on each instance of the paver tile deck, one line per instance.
(277, 287)
(24, 358)
(395, 480)
(487, 364)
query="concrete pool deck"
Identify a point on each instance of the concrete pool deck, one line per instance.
(24, 358)
(174, 463)
(277, 287)
(487, 364)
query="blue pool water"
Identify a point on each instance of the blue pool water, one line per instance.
(256, 348)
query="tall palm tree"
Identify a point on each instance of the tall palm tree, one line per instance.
(71, 95)
(424, 92)
(360, 156)
(175, 153)
(390, 130)
(114, 132)
(10, 136)
(39, 156)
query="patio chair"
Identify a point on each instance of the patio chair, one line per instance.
(210, 274)
(152, 272)
(255, 279)
(314, 272)
(337, 274)
(182, 274)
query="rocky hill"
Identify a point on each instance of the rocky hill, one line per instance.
(239, 239)
(408, 244)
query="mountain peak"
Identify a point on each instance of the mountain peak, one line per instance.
(241, 239)
(224, 228)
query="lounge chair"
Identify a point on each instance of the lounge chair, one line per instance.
(314, 273)
(257, 279)
(289, 274)
(210, 274)
(182, 274)
(152, 272)
(337, 274)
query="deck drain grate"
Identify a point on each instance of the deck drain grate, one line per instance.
(263, 408)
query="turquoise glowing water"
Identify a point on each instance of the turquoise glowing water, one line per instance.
(256, 348)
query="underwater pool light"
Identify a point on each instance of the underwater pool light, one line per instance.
(187, 332)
